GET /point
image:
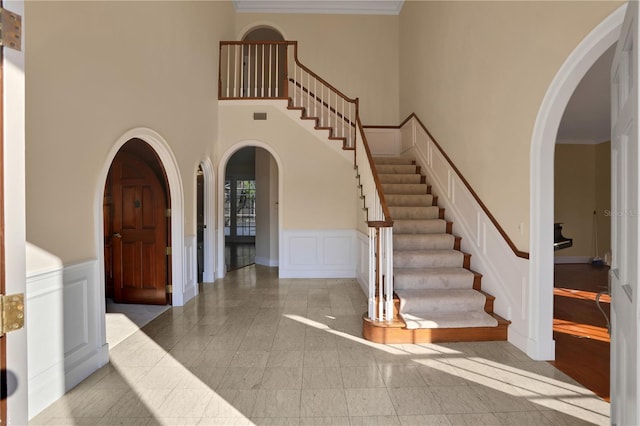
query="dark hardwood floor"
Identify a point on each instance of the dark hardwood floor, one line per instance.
(239, 255)
(579, 328)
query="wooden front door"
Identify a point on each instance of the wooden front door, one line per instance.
(139, 238)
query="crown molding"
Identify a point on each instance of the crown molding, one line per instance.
(344, 7)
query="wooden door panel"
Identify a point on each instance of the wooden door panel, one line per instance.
(140, 259)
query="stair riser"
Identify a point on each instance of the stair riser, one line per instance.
(389, 169)
(399, 178)
(424, 281)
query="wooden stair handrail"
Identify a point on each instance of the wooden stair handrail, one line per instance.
(519, 253)
(388, 222)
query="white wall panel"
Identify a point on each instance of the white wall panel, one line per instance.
(319, 254)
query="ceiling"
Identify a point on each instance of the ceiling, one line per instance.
(362, 7)
(587, 118)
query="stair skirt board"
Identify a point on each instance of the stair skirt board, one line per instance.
(438, 298)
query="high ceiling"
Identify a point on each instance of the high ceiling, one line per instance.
(362, 7)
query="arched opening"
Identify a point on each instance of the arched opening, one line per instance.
(249, 197)
(543, 144)
(205, 222)
(269, 77)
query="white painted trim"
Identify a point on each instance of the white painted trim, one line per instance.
(13, 82)
(358, 7)
(209, 243)
(66, 343)
(362, 266)
(541, 345)
(318, 253)
(221, 268)
(271, 263)
(181, 293)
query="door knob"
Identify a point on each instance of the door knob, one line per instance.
(117, 235)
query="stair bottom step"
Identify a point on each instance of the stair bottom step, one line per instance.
(415, 320)
(396, 333)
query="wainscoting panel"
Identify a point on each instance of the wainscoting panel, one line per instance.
(363, 262)
(65, 319)
(190, 280)
(383, 141)
(319, 254)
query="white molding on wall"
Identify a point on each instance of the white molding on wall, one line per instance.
(190, 267)
(272, 263)
(65, 345)
(359, 7)
(208, 275)
(543, 142)
(571, 259)
(318, 253)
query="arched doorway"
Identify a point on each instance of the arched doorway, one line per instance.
(269, 78)
(543, 143)
(249, 188)
(137, 227)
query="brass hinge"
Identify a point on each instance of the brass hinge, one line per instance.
(10, 29)
(168, 251)
(167, 212)
(169, 289)
(11, 313)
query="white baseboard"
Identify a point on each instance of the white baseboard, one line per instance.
(271, 263)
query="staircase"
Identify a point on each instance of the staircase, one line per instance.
(437, 297)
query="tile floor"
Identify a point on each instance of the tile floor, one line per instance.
(252, 349)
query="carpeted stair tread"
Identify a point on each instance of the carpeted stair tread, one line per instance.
(428, 259)
(393, 160)
(440, 300)
(405, 188)
(432, 278)
(420, 212)
(396, 168)
(423, 241)
(400, 178)
(406, 200)
(420, 226)
(470, 319)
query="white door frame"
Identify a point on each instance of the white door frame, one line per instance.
(541, 345)
(170, 165)
(208, 275)
(221, 268)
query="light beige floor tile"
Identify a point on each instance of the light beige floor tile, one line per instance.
(225, 421)
(176, 421)
(504, 400)
(425, 420)
(282, 378)
(560, 418)
(256, 343)
(356, 357)
(410, 401)
(473, 419)
(250, 359)
(185, 403)
(328, 358)
(139, 403)
(231, 403)
(457, 400)
(532, 418)
(285, 358)
(242, 378)
(322, 378)
(214, 358)
(323, 403)
(324, 421)
(374, 421)
(277, 403)
(369, 402)
(162, 378)
(362, 377)
(275, 421)
(208, 376)
(401, 376)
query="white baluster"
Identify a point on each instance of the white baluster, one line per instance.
(372, 278)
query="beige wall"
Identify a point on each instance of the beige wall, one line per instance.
(582, 186)
(476, 73)
(96, 70)
(357, 54)
(318, 180)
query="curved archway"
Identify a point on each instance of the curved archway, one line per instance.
(543, 141)
(161, 148)
(222, 166)
(263, 33)
(208, 176)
